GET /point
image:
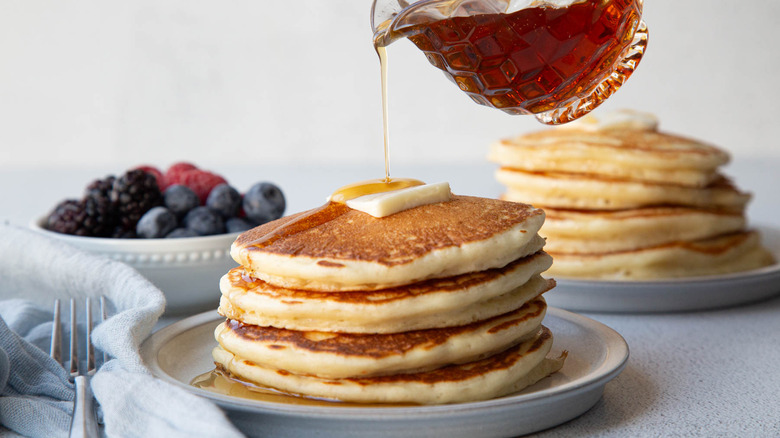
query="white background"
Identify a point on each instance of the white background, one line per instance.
(99, 85)
(111, 84)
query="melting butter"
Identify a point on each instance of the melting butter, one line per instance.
(362, 188)
(386, 203)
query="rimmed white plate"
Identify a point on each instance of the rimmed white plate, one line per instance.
(597, 354)
(685, 294)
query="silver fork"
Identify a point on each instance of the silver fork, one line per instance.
(84, 422)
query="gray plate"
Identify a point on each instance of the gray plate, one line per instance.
(597, 354)
(685, 294)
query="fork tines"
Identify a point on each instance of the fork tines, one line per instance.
(56, 336)
(103, 317)
(83, 423)
(74, 340)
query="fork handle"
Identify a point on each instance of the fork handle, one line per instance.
(84, 423)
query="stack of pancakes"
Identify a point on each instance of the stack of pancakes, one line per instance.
(440, 303)
(625, 201)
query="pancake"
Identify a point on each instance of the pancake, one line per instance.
(579, 191)
(720, 255)
(438, 303)
(626, 201)
(459, 316)
(582, 231)
(342, 355)
(432, 303)
(642, 155)
(497, 375)
(339, 249)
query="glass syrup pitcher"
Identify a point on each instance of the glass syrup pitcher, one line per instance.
(555, 59)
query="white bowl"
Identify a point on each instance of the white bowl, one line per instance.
(186, 269)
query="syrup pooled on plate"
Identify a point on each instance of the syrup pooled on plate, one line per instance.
(219, 382)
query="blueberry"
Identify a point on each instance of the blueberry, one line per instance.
(238, 225)
(204, 221)
(181, 232)
(264, 202)
(180, 199)
(157, 222)
(225, 200)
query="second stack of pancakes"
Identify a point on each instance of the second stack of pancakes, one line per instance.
(436, 304)
(626, 201)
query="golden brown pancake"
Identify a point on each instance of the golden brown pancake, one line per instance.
(432, 303)
(339, 249)
(494, 376)
(637, 155)
(595, 192)
(343, 355)
(591, 231)
(726, 254)
(626, 201)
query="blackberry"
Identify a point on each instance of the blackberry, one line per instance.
(100, 188)
(101, 211)
(68, 217)
(133, 194)
(121, 232)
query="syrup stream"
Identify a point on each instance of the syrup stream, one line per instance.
(382, 52)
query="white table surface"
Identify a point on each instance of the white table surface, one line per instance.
(710, 373)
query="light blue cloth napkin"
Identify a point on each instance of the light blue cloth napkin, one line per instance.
(35, 395)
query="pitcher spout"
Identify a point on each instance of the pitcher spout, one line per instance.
(392, 20)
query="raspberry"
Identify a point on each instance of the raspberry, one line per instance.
(161, 183)
(201, 182)
(173, 174)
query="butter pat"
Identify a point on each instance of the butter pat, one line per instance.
(615, 120)
(387, 203)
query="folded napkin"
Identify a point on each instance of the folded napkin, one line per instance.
(35, 395)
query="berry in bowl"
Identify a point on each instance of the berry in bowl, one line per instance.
(175, 228)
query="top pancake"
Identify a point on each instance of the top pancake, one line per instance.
(642, 155)
(336, 248)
